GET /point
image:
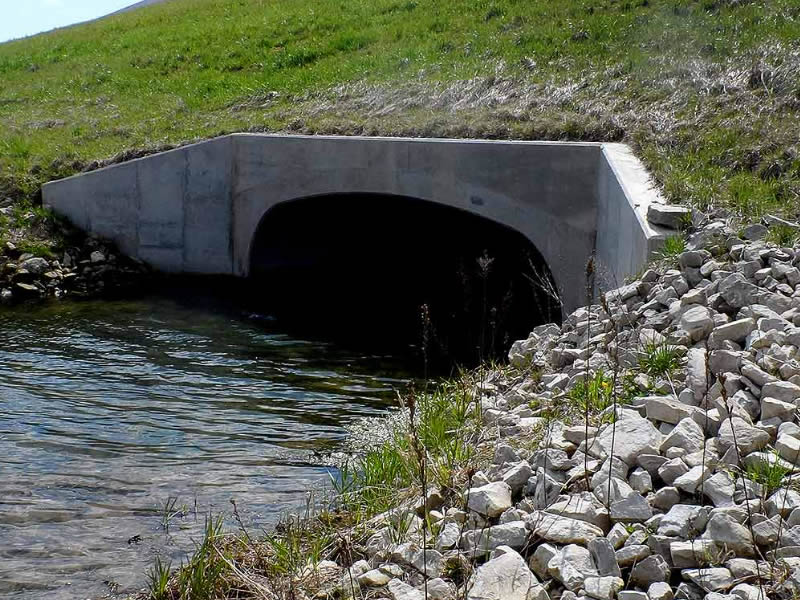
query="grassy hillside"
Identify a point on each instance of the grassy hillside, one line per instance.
(708, 91)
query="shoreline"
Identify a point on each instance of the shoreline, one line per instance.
(645, 449)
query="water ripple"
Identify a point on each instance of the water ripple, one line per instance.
(109, 409)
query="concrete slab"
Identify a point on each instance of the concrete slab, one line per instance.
(196, 209)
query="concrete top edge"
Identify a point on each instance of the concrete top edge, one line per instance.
(348, 138)
(363, 138)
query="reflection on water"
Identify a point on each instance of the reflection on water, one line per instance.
(109, 409)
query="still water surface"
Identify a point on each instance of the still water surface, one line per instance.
(108, 409)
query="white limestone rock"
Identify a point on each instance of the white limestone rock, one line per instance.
(712, 579)
(572, 566)
(491, 499)
(748, 438)
(782, 502)
(374, 578)
(671, 470)
(631, 509)
(742, 568)
(604, 558)
(735, 331)
(618, 535)
(687, 434)
(697, 322)
(724, 361)
(788, 448)
(767, 532)
(720, 489)
(431, 562)
(724, 530)
(684, 521)
(541, 559)
(691, 481)
(660, 590)
(641, 481)
(774, 408)
(781, 390)
(439, 589)
(666, 498)
(629, 555)
(399, 590)
(517, 476)
(634, 435)
(448, 536)
(562, 530)
(480, 542)
(666, 409)
(737, 292)
(696, 373)
(670, 216)
(603, 588)
(506, 577)
(694, 553)
(584, 507)
(652, 569)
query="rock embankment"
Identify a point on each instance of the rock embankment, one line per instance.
(682, 484)
(90, 269)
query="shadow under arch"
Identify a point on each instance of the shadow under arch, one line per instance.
(397, 272)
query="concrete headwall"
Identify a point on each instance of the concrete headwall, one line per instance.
(196, 209)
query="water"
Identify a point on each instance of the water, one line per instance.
(109, 409)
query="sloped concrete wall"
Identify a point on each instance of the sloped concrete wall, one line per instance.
(196, 209)
(625, 239)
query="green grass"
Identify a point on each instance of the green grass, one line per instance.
(674, 246)
(30, 229)
(782, 235)
(441, 429)
(171, 510)
(707, 93)
(769, 473)
(203, 577)
(158, 580)
(659, 360)
(597, 393)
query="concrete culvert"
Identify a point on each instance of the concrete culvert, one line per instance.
(401, 271)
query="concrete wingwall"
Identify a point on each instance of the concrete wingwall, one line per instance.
(196, 209)
(625, 239)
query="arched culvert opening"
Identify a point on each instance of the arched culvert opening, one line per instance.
(401, 272)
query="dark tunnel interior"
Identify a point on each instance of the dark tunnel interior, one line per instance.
(398, 273)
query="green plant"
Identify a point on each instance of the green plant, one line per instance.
(630, 528)
(202, 578)
(769, 473)
(674, 245)
(686, 221)
(659, 359)
(447, 419)
(170, 510)
(287, 555)
(400, 526)
(158, 580)
(42, 249)
(445, 422)
(595, 393)
(782, 235)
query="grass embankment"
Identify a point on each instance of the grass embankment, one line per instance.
(707, 91)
